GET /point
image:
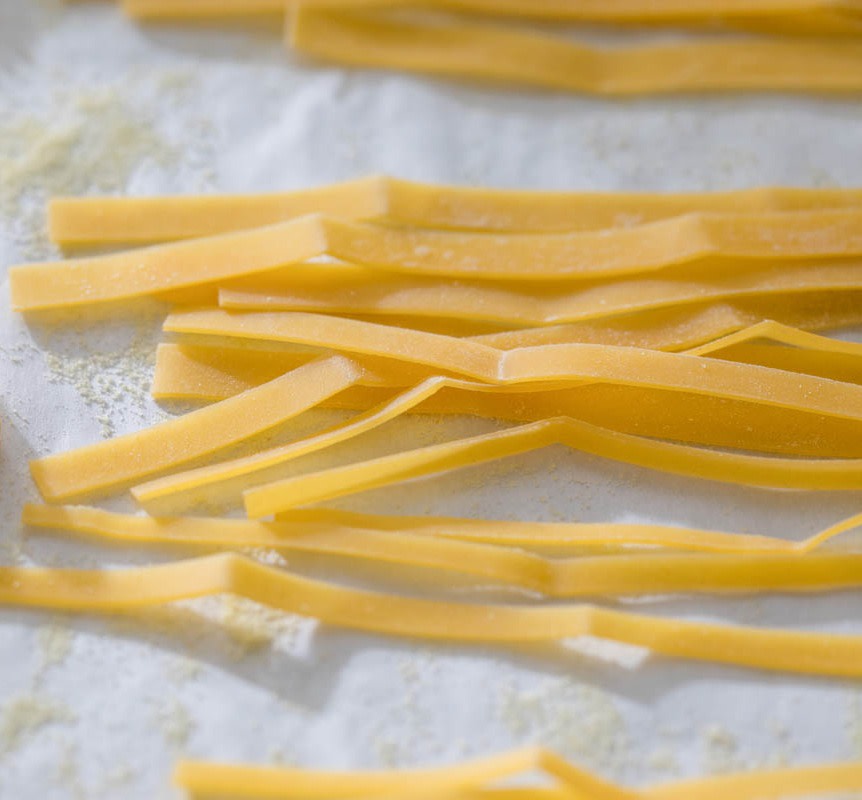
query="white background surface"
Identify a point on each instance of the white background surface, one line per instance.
(91, 708)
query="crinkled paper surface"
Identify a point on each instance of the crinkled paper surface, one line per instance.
(99, 708)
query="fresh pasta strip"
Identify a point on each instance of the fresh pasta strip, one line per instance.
(508, 533)
(553, 577)
(113, 220)
(581, 11)
(560, 363)
(534, 305)
(206, 372)
(124, 459)
(598, 254)
(567, 536)
(745, 470)
(482, 51)
(472, 779)
(534, 257)
(658, 414)
(162, 268)
(81, 221)
(114, 591)
(268, 782)
(634, 412)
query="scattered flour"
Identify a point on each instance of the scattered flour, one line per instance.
(721, 750)
(55, 644)
(176, 724)
(92, 141)
(25, 716)
(580, 722)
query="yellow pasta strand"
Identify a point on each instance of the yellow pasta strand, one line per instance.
(124, 459)
(534, 304)
(197, 777)
(119, 590)
(471, 779)
(80, 221)
(541, 257)
(776, 473)
(643, 413)
(552, 364)
(206, 372)
(494, 53)
(567, 536)
(556, 535)
(155, 270)
(112, 220)
(559, 578)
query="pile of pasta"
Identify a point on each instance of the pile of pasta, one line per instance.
(676, 332)
(781, 45)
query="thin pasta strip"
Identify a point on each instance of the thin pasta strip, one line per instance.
(552, 577)
(495, 53)
(659, 414)
(124, 459)
(653, 414)
(162, 268)
(113, 220)
(559, 535)
(580, 536)
(598, 254)
(206, 372)
(81, 221)
(534, 305)
(111, 591)
(758, 471)
(539, 257)
(638, 413)
(551, 364)
(471, 780)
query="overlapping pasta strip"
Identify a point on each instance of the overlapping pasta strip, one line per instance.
(567, 536)
(678, 418)
(745, 470)
(533, 535)
(534, 305)
(559, 364)
(205, 372)
(496, 53)
(472, 779)
(535, 257)
(177, 441)
(114, 591)
(559, 578)
(111, 220)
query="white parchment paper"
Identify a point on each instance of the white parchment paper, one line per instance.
(94, 708)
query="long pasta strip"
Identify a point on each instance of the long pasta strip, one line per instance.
(253, 782)
(77, 221)
(533, 305)
(162, 268)
(658, 415)
(112, 220)
(581, 11)
(662, 414)
(540, 257)
(601, 537)
(487, 52)
(119, 590)
(560, 363)
(559, 578)
(636, 413)
(759, 471)
(206, 372)
(566, 536)
(127, 458)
